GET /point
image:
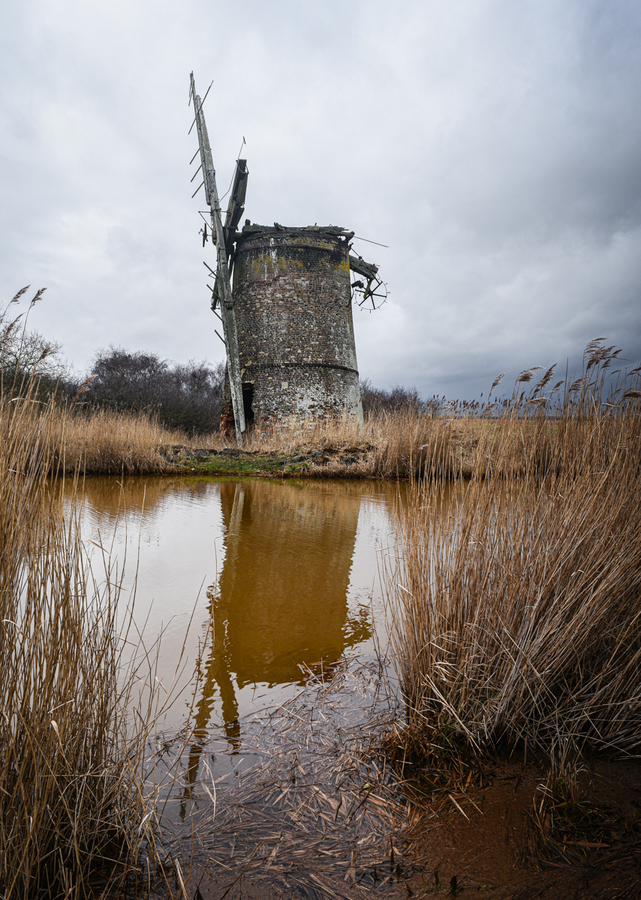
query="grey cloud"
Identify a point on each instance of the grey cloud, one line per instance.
(494, 146)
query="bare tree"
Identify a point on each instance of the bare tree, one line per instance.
(26, 355)
(186, 396)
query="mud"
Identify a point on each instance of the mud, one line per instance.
(491, 848)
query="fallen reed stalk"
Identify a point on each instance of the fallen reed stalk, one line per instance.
(319, 813)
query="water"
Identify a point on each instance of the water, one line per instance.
(267, 601)
(273, 578)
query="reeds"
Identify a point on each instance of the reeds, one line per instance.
(73, 812)
(103, 442)
(517, 607)
(390, 444)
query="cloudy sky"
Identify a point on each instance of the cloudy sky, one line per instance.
(493, 145)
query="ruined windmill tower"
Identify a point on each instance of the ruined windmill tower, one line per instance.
(288, 326)
(293, 305)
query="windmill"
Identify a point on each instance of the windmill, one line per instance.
(312, 371)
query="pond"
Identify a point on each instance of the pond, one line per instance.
(267, 601)
(277, 578)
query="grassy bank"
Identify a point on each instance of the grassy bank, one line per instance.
(73, 813)
(389, 445)
(524, 435)
(518, 609)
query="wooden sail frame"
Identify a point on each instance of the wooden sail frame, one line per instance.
(222, 288)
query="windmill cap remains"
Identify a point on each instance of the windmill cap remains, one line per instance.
(253, 228)
(333, 232)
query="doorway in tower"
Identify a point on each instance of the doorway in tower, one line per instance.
(248, 403)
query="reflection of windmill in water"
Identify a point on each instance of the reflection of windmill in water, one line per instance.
(288, 328)
(281, 600)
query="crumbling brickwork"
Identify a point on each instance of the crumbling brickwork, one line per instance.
(293, 308)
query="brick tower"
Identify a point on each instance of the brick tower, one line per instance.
(293, 308)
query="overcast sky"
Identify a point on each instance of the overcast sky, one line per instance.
(493, 145)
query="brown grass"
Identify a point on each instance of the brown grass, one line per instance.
(518, 607)
(73, 811)
(108, 443)
(389, 445)
(393, 445)
(404, 445)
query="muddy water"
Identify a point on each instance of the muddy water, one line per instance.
(266, 599)
(264, 581)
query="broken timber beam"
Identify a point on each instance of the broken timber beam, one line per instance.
(222, 270)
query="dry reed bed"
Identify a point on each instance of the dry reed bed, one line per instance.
(518, 612)
(403, 445)
(400, 444)
(390, 445)
(407, 445)
(103, 442)
(72, 803)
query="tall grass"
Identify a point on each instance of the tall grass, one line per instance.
(104, 442)
(390, 444)
(73, 812)
(518, 608)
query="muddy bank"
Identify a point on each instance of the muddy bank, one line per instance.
(329, 462)
(344, 827)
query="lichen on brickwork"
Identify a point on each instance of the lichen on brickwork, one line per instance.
(292, 301)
